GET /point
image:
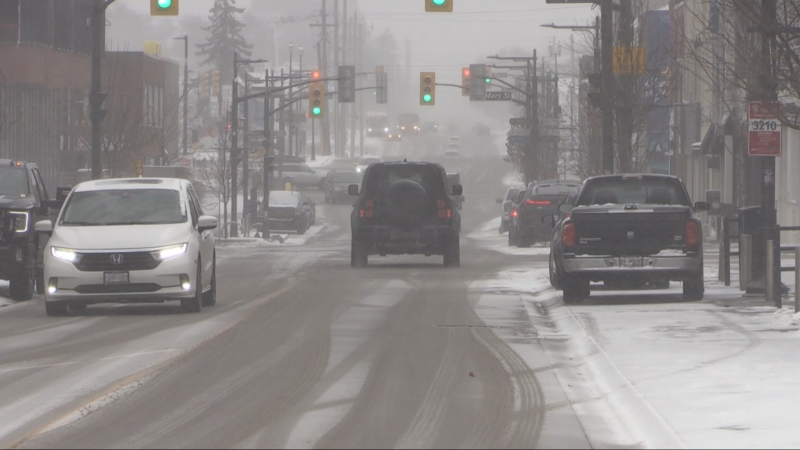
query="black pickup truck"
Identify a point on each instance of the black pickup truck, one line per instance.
(629, 231)
(406, 209)
(23, 202)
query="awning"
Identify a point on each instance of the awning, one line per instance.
(714, 141)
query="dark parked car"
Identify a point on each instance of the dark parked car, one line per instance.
(536, 204)
(23, 202)
(337, 185)
(507, 202)
(288, 212)
(628, 231)
(406, 209)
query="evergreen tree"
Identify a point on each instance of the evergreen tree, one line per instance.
(224, 37)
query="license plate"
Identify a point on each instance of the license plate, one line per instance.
(405, 235)
(631, 262)
(116, 278)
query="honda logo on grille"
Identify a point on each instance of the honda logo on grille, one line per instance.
(116, 260)
(631, 235)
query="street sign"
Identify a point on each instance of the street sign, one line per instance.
(629, 61)
(521, 122)
(519, 139)
(764, 134)
(499, 96)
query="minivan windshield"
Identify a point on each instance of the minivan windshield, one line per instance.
(14, 182)
(124, 207)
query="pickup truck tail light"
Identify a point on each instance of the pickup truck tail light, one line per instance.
(537, 202)
(692, 234)
(568, 236)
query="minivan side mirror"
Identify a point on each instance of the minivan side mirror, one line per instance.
(44, 227)
(566, 208)
(702, 206)
(458, 189)
(207, 223)
(353, 190)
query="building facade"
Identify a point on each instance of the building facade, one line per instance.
(44, 80)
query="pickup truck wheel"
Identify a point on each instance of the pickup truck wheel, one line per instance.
(359, 254)
(524, 241)
(452, 252)
(555, 275)
(575, 291)
(22, 285)
(694, 289)
(512, 240)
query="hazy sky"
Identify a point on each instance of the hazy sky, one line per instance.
(440, 41)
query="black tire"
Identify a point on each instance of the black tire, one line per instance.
(452, 252)
(210, 297)
(22, 285)
(524, 241)
(359, 254)
(40, 287)
(575, 291)
(195, 305)
(694, 289)
(78, 308)
(555, 273)
(55, 309)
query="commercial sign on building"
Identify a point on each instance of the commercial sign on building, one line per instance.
(764, 134)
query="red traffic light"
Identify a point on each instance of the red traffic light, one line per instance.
(316, 75)
(466, 73)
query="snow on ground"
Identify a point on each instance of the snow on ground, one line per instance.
(488, 238)
(321, 161)
(655, 371)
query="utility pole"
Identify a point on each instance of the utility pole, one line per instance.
(96, 96)
(291, 97)
(769, 93)
(326, 126)
(282, 130)
(266, 166)
(235, 147)
(355, 61)
(607, 38)
(624, 95)
(185, 40)
(336, 106)
(246, 153)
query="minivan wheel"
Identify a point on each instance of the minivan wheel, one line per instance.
(210, 297)
(195, 305)
(22, 285)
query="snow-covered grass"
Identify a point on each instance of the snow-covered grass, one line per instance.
(488, 237)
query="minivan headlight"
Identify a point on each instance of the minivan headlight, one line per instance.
(65, 254)
(170, 252)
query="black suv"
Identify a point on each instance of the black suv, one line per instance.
(23, 202)
(535, 205)
(406, 209)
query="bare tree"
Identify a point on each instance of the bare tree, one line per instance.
(216, 172)
(164, 138)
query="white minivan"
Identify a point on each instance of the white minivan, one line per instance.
(138, 240)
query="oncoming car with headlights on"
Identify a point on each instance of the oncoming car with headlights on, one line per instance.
(141, 240)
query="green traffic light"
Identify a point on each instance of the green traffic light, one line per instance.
(488, 80)
(317, 111)
(164, 4)
(427, 98)
(439, 2)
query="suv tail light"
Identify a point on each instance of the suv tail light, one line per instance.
(368, 211)
(444, 209)
(514, 212)
(692, 234)
(568, 237)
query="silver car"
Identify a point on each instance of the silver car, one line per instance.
(302, 175)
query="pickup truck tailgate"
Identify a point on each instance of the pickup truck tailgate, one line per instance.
(624, 231)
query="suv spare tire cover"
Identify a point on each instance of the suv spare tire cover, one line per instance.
(406, 202)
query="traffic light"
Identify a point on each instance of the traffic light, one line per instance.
(478, 86)
(347, 84)
(383, 87)
(427, 88)
(164, 7)
(316, 100)
(215, 82)
(594, 93)
(465, 82)
(205, 85)
(488, 76)
(439, 5)
(316, 74)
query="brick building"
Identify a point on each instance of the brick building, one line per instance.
(44, 79)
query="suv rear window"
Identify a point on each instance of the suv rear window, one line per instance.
(555, 189)
(381, 177)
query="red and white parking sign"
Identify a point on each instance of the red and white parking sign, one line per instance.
(764, 133)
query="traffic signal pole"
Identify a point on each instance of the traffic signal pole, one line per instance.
(96, 97)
